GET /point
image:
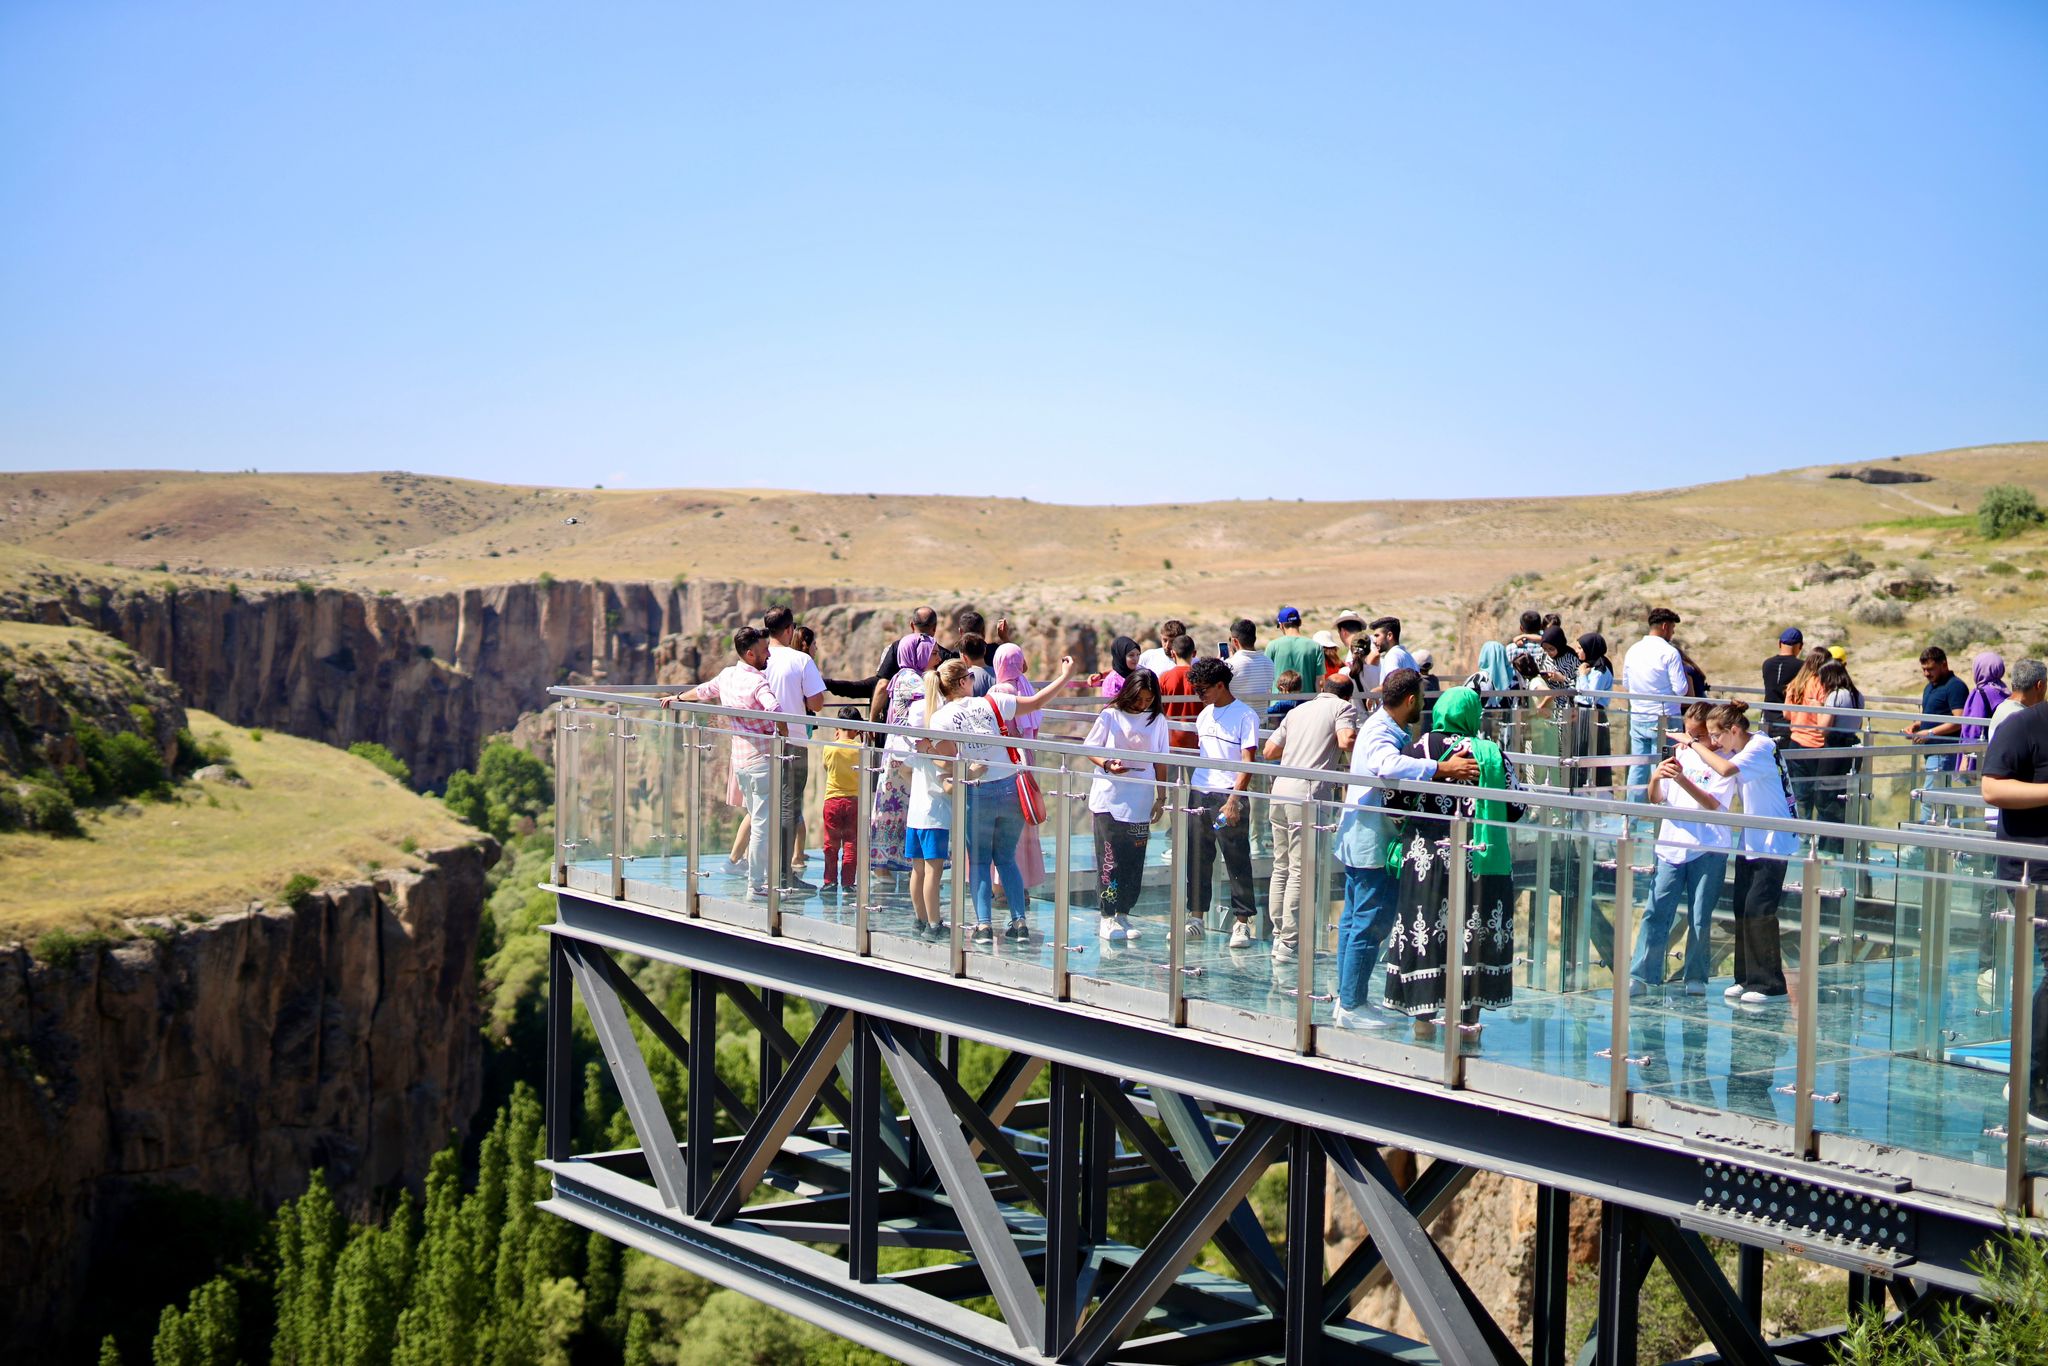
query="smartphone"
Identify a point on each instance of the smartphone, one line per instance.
(1223, 649)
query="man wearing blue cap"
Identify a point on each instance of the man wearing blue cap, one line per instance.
(1295, 651)
(1779, 671)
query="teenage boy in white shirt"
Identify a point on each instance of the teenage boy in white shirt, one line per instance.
(1226, 729)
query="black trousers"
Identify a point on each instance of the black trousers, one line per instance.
(1759, 884)
(1235, 841)
(1119, 862)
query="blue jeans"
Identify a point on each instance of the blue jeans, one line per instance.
(1932, 766)
(1645, 737)
(1369, 910)
(995, 823)
(1698, 882)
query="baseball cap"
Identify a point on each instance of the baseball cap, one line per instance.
(1328, 640)
(1348, 615)
(1838, 654)
(1424, 659)
(1790, 636)
(1289, 616)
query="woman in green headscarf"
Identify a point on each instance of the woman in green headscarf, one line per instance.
(1421, 851)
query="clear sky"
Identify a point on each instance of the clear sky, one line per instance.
(1087, 252)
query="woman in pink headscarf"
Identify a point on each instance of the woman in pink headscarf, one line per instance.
(1009, 666)
(894, 698)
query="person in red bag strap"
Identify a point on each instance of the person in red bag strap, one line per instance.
(996, 814)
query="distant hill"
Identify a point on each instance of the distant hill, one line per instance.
(413, 533)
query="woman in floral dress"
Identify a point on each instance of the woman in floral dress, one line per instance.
(892, 793)
(1421, 850)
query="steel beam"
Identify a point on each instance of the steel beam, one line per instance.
(1196, 1140)
(1549, 1344)
(671, 1038)
(1193, 1222)
(1426, 1197)
(1063, 1223)
(701, 1121)
(561, 1058)
(1615, 1331)
(629, 1072)
(1707, 1293)
(864, 1154)
(1305, 1313)
(1016, 1294)
(779, 1116)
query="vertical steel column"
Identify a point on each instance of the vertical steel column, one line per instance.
(700, 1125)
(864, 1193)
(1454, 954)
(1306, 928)
(1098, 1146)
(561, 1084)
(1749, 1282)
(1616, 1329)
(1624, 911)
(863, 853)
(772, 849)
(1306, 1172)
(1062, 890)
(1177, 900)
(1809, 1007)
(961, 857)
(1549, 1342)
(771, 1061)
(618, 802)
(1063, 1231)
(693, 806)
(2020, 1088)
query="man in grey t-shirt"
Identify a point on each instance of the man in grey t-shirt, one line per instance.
(1317, 734)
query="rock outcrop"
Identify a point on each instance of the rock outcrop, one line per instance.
(232, 1057)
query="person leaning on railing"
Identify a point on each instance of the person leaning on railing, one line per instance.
(2015, 781)
(743, 685)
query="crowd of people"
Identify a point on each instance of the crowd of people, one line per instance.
(1351, 697)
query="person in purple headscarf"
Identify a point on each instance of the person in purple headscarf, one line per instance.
(1009, 667)
(893, 700)
(1987, 690)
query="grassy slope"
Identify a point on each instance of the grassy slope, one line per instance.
(420, 534)
(309, 808)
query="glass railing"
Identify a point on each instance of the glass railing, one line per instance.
(1547, 953)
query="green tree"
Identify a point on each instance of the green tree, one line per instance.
(110, 1354)
(508, 786)
(308, 1233)
(2005, 510)
(384, 759)
(202, 1335)
(439, 1321)
(639, 1342)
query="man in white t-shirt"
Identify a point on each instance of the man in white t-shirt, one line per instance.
(800, 690)
(1692, 863)
(1159, 659)
(1226, 729)
(1251, 671)
(1651, 666)
(1387, 654)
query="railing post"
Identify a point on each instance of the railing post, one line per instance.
(962, 855)
(1062, 892)
(1177, 901)
(1934, 935)
(565, 787)
(1809, 1006)
(693, 808)
(665, 746)
(863, 849)
(1454, 954)
(1618, 1109)
(771, 847)
(2019, 1085)
(618, 802)
(1305, 925)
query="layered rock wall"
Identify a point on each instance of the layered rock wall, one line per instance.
(232, 1057)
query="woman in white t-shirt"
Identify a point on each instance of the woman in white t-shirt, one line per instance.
(927, 826)
(1752, 760)
(1126, 797)
(1692, 862)
(995, 816)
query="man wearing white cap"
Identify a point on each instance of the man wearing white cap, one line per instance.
(1333, 651)
(1348, 624)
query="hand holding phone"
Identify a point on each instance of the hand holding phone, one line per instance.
(1223, 649)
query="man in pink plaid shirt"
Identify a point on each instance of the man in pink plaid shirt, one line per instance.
(743, 685)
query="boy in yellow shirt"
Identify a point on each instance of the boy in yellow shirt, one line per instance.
(842, 799)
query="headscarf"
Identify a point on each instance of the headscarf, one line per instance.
(1553, 636)
(1457, 713)
(1120, 651)
(913, 656)
(1494, 669)
(1593, 650)
(915, 652)
(1009, 666)
(1987, 673)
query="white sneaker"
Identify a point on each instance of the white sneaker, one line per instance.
(1110, 929)
(1733, 991)
(1757, 998)
(1695, 988)
(1365, 1017)
(2034, 1121)
(1123, 922)
(1637, 986)
(1283, 952)
(1240, 935)
(1194, 929)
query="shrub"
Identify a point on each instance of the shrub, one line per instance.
(257, 736)
(1958, 634)
(508, 784)
(680, 582)
(195, 754)
(409, 845)
(2006, 510)
(1880, 612)
(304, 589)
(62, 948)
(37, 807)
(2001, 567)
(111, 766)
(1166, 564)
(546, 580)
(298, 888)
(383, 759)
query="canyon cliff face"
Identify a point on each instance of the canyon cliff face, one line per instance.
(232, 1057)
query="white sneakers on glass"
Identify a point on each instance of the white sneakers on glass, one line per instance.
(1241, 935)
(1365, 1017)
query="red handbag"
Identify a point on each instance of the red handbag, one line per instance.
(1029, 799)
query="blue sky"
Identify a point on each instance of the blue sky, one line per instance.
(1094, 253)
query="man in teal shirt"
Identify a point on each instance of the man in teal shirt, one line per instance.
(1293, 650)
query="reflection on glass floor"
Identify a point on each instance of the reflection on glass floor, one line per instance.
(1704, 1052)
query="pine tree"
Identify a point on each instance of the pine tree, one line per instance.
(110, 1352)
(601, 1285)
(202, 1335)
(309, 1233)
(639, 1341)
(590, 1120)
(174, 1344)
(439, 1322)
